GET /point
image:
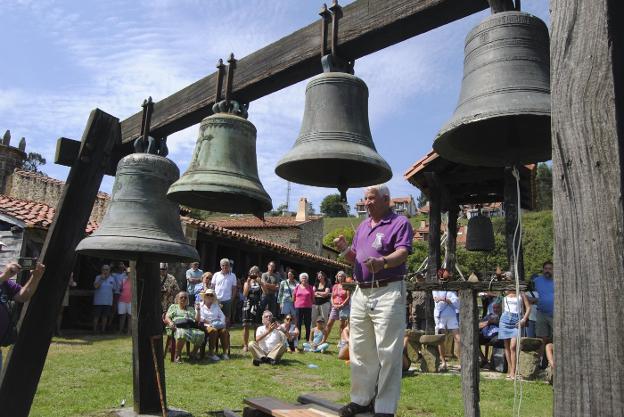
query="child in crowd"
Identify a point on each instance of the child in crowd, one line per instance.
(291, 332)
(319, 338)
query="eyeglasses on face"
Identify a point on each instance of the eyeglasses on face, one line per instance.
(288, 318)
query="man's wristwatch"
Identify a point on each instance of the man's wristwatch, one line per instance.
(385, 262)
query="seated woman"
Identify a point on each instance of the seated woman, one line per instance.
(291, 332)
(213, 321)
(319, 338)
(181, 322)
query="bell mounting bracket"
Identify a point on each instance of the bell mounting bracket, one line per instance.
(331, 61)
(498, 6)
(146, 143)
(227, 104)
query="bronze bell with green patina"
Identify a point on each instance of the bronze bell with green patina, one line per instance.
(503, 114)
(223, 174)
(140, 223)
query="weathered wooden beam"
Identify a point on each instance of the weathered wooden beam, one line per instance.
(146, 324)
(366, 27)
(587, 98)
(25, 361)
(450, 254)
(463, 285)
(469, 355)
(434, 254)
(510, 205)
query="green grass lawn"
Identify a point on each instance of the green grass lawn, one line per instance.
(86, 376)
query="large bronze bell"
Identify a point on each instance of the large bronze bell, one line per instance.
(140, 223)
(480, 234)
(503, 114)
(223, 174)
(335, 147)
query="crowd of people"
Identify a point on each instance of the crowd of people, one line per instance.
(502, 317)
(277, 310)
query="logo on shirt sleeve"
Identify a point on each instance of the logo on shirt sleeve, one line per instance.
(377, 242)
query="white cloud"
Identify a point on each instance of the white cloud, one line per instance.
(119, 53)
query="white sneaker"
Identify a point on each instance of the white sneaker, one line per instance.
(215, 358)
(225, 357)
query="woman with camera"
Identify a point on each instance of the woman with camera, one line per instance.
(181, 320)
(252, 292)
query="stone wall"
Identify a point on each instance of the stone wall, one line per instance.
(27, 185)
(282, 236)
(312, 236)
(10, 158)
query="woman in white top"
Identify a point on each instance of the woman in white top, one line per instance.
(446, 303)
(213, 320)
(516, 310)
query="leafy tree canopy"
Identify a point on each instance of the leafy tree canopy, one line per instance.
(33, 161)
(332, 206)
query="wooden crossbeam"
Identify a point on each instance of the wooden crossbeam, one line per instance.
(366, 27)
(26, 358)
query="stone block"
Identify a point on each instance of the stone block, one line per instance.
(529, 367)
(430, 358)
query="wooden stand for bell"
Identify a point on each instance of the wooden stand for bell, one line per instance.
(530, 358)
(430, 357)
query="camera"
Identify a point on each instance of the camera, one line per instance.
(27, 264)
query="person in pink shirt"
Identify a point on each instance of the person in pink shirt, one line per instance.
(124, 306)
(303, 299)
(340, 303)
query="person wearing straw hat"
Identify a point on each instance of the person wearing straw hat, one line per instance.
(213, 321)
(380, 248)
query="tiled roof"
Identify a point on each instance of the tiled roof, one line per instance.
(50, 180)
(251, 222)
(39, 215)
(392, 200)
(34, 214)
(213, 229)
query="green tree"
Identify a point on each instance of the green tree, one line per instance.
(422, 200)
(32, 163)
(347, 232)
(420, 251)
(543, 180)
(332, 206)
(278, 211)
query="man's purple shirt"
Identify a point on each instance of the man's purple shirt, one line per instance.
(392, 232)
(8, 290)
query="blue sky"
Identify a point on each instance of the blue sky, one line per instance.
(60, 59)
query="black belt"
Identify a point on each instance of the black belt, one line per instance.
(379, 283)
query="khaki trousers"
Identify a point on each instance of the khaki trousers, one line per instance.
(377, 326)
(258, 353)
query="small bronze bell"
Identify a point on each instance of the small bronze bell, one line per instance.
(480, 234)
(223, 174)
(140, 223)
(503, 114)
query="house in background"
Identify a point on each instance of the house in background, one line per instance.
(401, 205)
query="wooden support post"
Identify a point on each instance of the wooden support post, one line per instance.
(469, 356)
(434, 252)
(25, 360)
(587, 58)
(450, 255)
(510, 206)
(146, 323)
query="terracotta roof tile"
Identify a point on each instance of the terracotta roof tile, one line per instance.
(250, 222)
(38, 215)
(34, 214)
(214, 229)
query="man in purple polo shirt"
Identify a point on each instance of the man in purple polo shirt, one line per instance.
(11, 290)
(377, 323)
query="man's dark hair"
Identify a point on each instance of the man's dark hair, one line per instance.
(547, 263)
